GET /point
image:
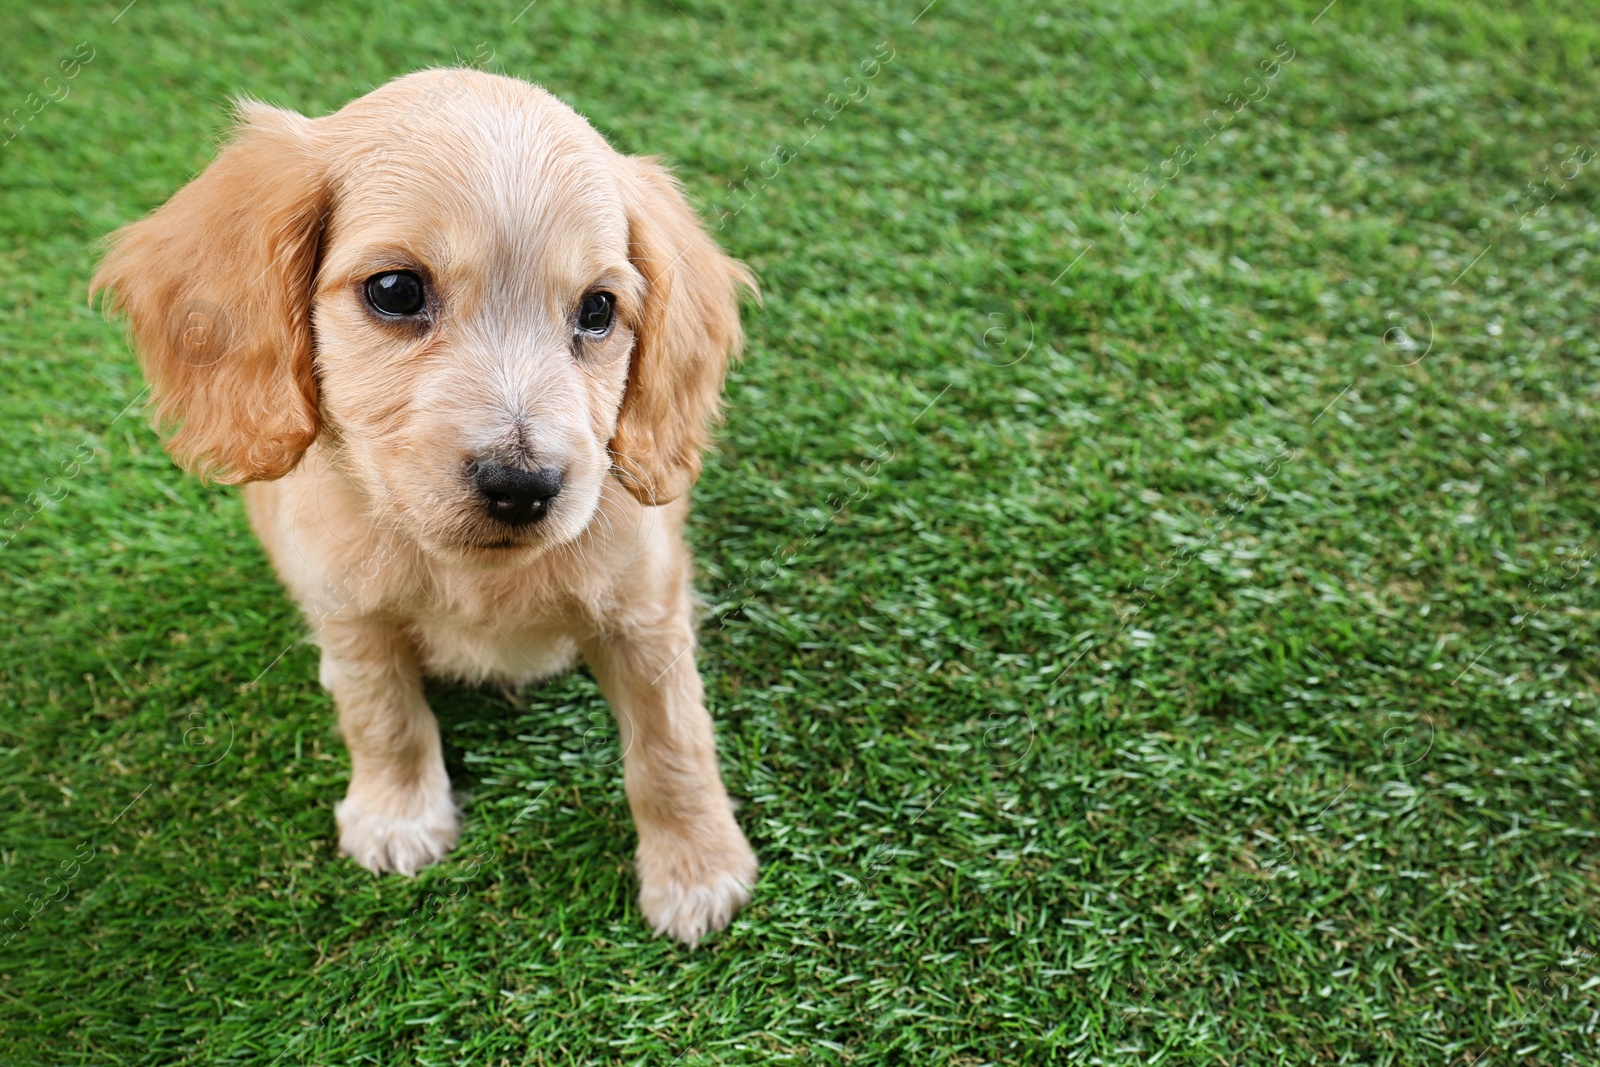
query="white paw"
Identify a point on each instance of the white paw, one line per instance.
(381, 838)
(692, 884)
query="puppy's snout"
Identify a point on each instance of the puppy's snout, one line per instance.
(516, 497)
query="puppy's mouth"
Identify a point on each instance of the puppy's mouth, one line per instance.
(486, 552)
(498, 546)
(490, 535)
(503, 539)
(475, 536)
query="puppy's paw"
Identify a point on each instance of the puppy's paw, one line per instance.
(402, 836)
(693, 879)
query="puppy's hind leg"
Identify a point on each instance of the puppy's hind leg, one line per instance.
(398, 814)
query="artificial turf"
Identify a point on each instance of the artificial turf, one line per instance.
(1151, 613)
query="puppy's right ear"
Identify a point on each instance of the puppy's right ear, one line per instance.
(217, 288)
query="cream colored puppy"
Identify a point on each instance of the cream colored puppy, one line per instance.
(467, 355)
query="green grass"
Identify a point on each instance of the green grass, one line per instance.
(1206, 672)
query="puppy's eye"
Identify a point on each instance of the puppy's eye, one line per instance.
(396, 292)
(596, 313)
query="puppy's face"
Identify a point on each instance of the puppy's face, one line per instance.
(479, 308)
(474, 314)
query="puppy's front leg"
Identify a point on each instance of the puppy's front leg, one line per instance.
(398, 814)
(695, 866)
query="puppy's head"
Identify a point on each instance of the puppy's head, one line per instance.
(478, 308)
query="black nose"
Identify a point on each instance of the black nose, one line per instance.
(516, 497)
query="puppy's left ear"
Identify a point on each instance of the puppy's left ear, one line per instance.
(689, 331)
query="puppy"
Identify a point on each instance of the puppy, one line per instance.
(465, 356)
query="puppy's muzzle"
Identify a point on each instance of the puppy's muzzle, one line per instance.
(516, 497)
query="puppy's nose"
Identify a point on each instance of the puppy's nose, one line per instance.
(516, 497)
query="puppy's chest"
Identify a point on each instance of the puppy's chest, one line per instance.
(478, 636)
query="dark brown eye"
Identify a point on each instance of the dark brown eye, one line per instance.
(397, 293)
(596, 313)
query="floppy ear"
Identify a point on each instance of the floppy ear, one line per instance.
(687, 334)
(217, 288)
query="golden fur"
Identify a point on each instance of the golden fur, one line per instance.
(267, 366)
